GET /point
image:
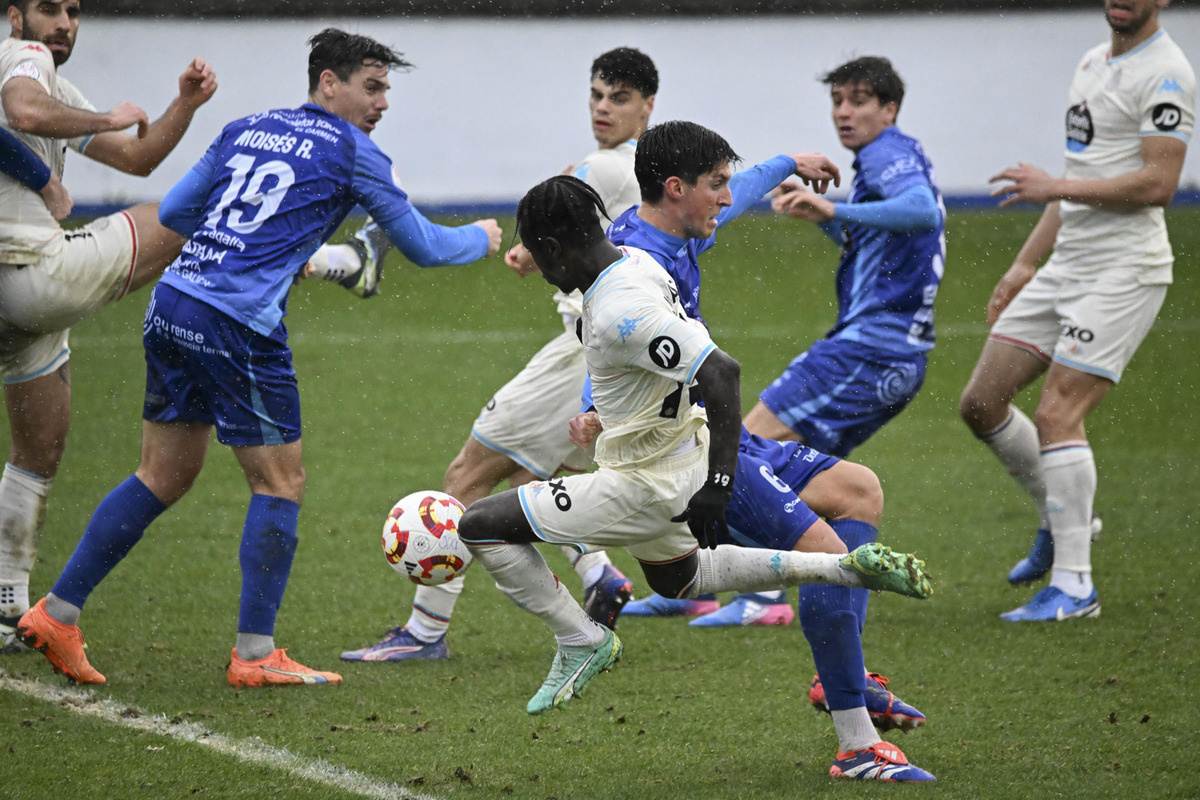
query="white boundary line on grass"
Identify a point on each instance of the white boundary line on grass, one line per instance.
(253, 750)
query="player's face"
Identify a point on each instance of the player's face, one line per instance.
(700, 204)
(619, 113)
(1130, 16)
(556, 273)
(858, 115)
(54, 23)
(362, 99)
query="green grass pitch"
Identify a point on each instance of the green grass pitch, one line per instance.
(1102, 708)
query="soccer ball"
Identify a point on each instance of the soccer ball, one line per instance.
(420, 538)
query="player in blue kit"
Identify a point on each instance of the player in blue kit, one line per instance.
(781, 491)
(271, 188)
(871, 364)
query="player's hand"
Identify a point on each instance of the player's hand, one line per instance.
(705, 512)
(803, 204)
(1026, 183)
(125, 114)
(1017, 276)
(197, 84)
(583, 428)
(55, 196)
(493, 232)
(520, 261)
(817, 171)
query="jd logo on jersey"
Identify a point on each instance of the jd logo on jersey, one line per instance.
(1079, 127)
(1166, 116)
(664, 351)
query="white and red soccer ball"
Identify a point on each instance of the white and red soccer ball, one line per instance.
(420, 538)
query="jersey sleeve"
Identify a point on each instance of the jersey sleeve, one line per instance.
(1169, 104)
(182, 205)
(750, 185)
(890, 166)
(651, 337)
(422, 242)
(33, 61)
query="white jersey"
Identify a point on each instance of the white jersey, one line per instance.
(610, 173)
(643, 353)
(1113, 104)
(27, 229)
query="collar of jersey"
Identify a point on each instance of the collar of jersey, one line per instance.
(624, 257)
(1158, 35)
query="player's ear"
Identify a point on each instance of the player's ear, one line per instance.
(16, 21)
(673, 187)
(327, 83)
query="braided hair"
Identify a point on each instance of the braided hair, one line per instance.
(563, 207)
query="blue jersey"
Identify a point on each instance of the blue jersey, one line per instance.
(680, 257)
(272, 188)
(886, 280)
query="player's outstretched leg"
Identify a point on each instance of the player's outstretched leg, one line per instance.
(882, 761)
(887, 711)
(573, 669)
(61, 644)
(881, 569)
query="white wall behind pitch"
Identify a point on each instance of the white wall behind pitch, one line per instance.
(496, 105)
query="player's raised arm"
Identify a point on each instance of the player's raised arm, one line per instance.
(31, 109)
(139, 155)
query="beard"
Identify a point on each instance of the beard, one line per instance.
(60, 57)
(1134, 23)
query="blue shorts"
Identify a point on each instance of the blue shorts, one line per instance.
(765, 510)
(837, 394)
(204, 366)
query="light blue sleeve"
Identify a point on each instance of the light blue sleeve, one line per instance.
(19, 162)
(749, 186)
(422, 242)
(181, 207)
(586, 403)
(914, 209)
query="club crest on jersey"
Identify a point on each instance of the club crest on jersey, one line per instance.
(664, 351)
(1166, 116)
(1079, 127)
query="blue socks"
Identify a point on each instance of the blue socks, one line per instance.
(832, 618)
(115, 527)
(268, 545)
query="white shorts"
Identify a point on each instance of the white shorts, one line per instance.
(622, 508)
(82, 270)
(1094, 325)
(527, 418)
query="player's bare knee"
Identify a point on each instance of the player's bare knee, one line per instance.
(980, 413)
(864, 494)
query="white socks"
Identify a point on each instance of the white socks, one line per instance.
(432, 609)
(854, 729)
(730, 568)
(22, 514)
(1070, 473)
(1016, 445)
(521, 573)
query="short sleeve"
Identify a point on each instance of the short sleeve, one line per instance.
(1169, 104)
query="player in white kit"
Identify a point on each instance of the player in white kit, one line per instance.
(522, 432)
(51, 279)
(662, 486)
(1079, 319)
